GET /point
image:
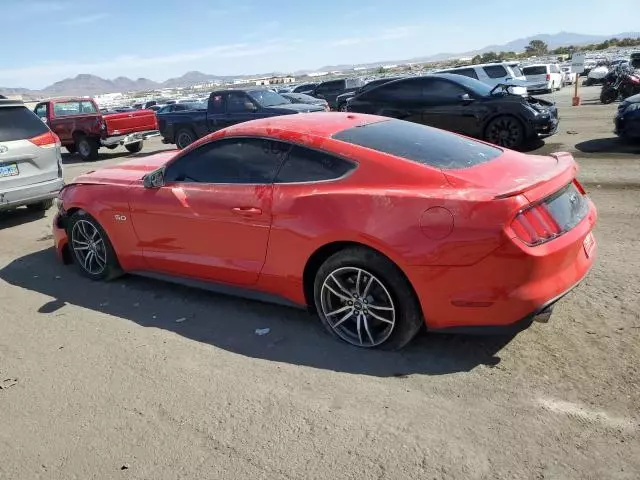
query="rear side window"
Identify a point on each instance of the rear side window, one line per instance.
(539, 70)
(495, 71)
(216, 103)
(19, 123)
(306, 165)
(467, 72)
(64, 109)
(420, 144)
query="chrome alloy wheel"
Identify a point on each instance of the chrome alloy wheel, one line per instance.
(358, 307)
(88, 246)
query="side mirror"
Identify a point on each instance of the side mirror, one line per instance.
(154, 179)
(465, 98)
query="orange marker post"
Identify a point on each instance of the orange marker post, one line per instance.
(576, 98)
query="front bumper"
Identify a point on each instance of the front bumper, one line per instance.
(508, 289)
(60, 239)
(627, 125)
(545, 127)
(28, 194)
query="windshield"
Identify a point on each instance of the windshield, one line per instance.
(267, 98)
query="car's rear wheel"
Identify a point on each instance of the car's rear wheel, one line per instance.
(93, 253)
(343, 107)
(134, 147)
(71, 149)
(87, 148)
(184, 138)
(505, 131)
(364, 299)
(40, 206)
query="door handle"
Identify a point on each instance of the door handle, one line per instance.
(247, 211)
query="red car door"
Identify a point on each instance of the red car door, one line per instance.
(212, 218)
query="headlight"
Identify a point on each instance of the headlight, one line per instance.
(531, 109)
(632, 107)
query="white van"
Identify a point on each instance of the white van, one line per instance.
(545, 77)
(493, 74)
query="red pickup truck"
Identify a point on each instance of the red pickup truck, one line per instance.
(83, 129)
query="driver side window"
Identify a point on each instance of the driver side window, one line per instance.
(239, 103)
(234, 160)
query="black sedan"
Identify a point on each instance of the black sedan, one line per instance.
(342, 99)
(628, 118)
(463, 105)
(304, 98)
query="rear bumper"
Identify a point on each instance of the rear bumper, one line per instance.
(128, 139)
(508, 289)
(28, 194)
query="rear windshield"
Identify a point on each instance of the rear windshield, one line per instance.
(540, 70)
(425, 145)
(19, 123)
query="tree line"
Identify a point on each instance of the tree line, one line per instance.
(538, 48)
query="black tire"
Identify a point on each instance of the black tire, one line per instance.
(134, 147)
(71, 149)
(608, 95)
(78, 231)
(87, 148)
(42, 206)
(505, 131)
(386, 282)
(185, 137)
(342, 107)
(111, 147)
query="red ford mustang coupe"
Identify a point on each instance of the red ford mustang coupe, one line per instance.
(379, 225)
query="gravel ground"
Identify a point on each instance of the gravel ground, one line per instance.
(140, 379)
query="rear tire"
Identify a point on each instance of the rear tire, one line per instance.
(92, 252)
(71, 149)
(87, 148)
(42, 206)
(608, 95)
(134, 147)
(505, 131)
(185, 137)
(363, 299)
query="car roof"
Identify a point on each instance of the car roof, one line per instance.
(11, 103)
(316, 124)
(67, 99)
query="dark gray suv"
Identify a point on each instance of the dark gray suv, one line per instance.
(30, 159)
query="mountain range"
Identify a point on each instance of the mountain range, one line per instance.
(86, 84)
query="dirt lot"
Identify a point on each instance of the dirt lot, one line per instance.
(102, 380)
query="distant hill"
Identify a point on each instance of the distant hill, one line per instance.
(86, 84)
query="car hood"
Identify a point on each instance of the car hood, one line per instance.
(294, 108)
(632, 99)
(127, 172)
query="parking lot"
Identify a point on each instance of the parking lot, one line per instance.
(142, 379)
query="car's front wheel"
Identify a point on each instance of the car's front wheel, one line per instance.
(505, 131)
(93, 253)
(364, 299)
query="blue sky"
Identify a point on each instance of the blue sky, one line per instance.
(47, 40)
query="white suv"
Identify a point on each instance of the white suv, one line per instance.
(493, 74)
(545, 77)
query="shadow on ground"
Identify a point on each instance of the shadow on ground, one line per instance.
(608, 145)
(19, 216)
(295, 336)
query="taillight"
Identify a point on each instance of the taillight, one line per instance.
(46, 140)
(535, 225)
(548, 77)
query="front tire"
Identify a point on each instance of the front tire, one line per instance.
(608, 95)
(184, 138)
(505, 131)
(363, 299)
(134, 147)
(93, 254)
(87, 148)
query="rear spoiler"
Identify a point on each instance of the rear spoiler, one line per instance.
(564, 173)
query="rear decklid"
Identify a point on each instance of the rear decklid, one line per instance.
(29, 151)
(514, 173)
(125, 123)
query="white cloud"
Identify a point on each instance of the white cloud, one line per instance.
(395, 33)
(86, 19)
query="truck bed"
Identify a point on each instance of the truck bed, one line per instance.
(130, 122)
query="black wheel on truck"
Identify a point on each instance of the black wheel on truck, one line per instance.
(87, 148)
(134, 147)
(185, 137)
